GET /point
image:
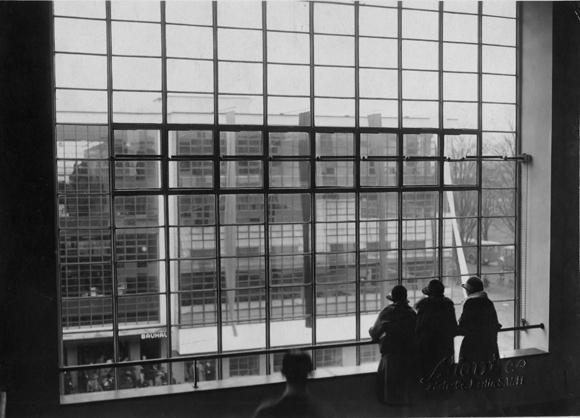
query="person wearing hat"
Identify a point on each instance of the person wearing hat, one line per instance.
(399, 371)
(479, 326)
(296, 400)
(436, 329)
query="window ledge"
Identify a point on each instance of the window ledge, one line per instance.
(245, 381)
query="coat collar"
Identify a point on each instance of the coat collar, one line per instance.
(476, 295)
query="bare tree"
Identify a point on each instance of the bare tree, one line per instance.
(498, 179)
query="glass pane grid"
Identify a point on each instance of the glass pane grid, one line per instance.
(326, 224)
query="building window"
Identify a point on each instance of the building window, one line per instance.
(236, 177)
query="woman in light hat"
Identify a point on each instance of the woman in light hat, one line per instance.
(479, 325)
(399, 370)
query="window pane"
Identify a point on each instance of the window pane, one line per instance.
(334, 112)
(460, 28)
(136, 107)
(379, 113)
(420, 25)
(289, 79)
(457, 57)
(288, 16)
(81, 106)
(499, 117)
(334, 144)
(136, 73)
(76, 35)
(136, 38)
(81, 141)
(242, 45)
(499, 89)
(137, 142)
(190, 108)
(238, 77)
(89, 8)
(335, 82)
(375, 52)
(379, 205)
(81, 71)
(460, 115)
(420, 55)
(460, 6)
(287, 110)
(288, 47)
(334, 18)
(333, 50)
(240, 15)
(193, 13)
(499, 31)
(378, 83)
(135, 10)
(241, 109)
(420, 85)
(179, 40)
(420, 114)
(499, 60)
(460, 86)
(504, 8)
(191, 143)
(186, 75)
(374, 21)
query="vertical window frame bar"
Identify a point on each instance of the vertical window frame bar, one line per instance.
(312, 222)
(518, 186)
(217, 193)
(441, 151)
(165, 189)
(357, 174)
(266, 185)
(112, 216)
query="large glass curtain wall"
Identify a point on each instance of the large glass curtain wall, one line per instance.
(248, 175)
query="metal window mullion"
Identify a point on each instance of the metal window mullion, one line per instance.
(400, 143)
(56, 212)
(518, 185)
(480, 134)
(266, 184)
(441, 144)
(217, 186)
(357, 174)
(165, 186)
(312, 255)
(115, 296)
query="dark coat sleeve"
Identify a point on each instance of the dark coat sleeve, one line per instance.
(380, 324)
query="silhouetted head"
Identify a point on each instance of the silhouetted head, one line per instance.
(296, 366)
(434, 288)
(398, 294)
(473, 284)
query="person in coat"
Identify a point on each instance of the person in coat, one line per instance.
(436, 329)
(479, 326)
(399, 372)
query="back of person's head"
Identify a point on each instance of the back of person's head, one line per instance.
(296, 366)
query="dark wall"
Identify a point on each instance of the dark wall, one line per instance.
(28, 306)
(28, 283)
(564, 280)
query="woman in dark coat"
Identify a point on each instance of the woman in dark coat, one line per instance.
(479, 325)
(436, 329)
(399, 370)
(436, 326)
